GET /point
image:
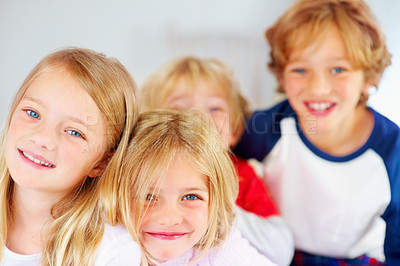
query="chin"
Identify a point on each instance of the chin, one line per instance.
(166, 255)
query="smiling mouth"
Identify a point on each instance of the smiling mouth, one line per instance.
(167, 235)
(37, 161)
(320, 106)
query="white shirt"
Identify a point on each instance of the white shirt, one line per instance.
(117, 248)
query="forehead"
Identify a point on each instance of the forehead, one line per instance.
(307, 41)
(185, 88)
(189, 85)
(57, 91)
(181, 174)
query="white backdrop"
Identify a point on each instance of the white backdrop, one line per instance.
(145, 34)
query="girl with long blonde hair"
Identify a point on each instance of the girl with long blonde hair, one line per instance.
(69, 121)
(209, 85)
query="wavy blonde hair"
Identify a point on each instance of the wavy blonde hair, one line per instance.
(364, 40)
(158, 138)
(162, 83)
(78, 224)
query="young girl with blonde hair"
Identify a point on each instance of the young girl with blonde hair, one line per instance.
(183, 188)
(70, 119)
(209, 85)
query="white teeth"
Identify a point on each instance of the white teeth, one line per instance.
(37, 161)
(320, 106)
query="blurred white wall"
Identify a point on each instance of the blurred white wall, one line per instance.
(145, 34)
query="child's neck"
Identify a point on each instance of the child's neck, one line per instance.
(31, 215)
(346, 139)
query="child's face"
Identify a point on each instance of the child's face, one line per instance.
(206, 99)
(177, 215)
(322, 85)
(56, 136)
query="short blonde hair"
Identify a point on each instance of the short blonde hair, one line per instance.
(78, 223)
(159, 137)
(364, 40)
(162, 83)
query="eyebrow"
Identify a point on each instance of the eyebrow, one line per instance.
(72, 118)
(185, 190)
(203, 189)
(33, 99)
(179, 97)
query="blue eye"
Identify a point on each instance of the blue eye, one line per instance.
(300, 70)
(214, 109)
(337, 70)
(32, 113)
(74, 133)
(190, 197)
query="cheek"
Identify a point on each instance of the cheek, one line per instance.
(145, 220)
(291, 85)
(16, 127)
(222, 123)
(79, 158)
(199, 219)
(347, 89)
(15, 132)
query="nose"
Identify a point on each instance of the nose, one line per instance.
(319, 84)
(44, 136)
(169, 215)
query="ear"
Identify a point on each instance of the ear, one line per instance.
(368, 89)
(371, 82)
(100, 167)
(279, 77)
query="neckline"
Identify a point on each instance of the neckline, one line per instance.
(336, 158)
(21, 256)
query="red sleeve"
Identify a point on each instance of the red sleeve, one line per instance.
(253, 194)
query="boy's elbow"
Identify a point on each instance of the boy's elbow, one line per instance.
(271, 236)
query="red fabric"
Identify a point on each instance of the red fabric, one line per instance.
(253, 194)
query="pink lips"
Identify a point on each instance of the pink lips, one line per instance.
(36, 157)
(167, 235)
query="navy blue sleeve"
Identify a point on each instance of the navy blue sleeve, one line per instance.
(388, 147)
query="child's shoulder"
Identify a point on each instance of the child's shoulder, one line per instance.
(385, 136)
(114, 232)
(268, 120)
(385, 131)
(280, 109)
(384, 124)
(117, 245)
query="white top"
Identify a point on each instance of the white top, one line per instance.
(236, 251)
(116, 248)
(336, 206)
(14, 259)
(271, 236)
(330, 213)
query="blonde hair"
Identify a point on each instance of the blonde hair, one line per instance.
(364, 40)
(158, 138)
(162, 83)
(78, 223)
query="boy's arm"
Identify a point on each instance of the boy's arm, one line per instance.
(253, 194)
(271, 236)
(258, 217)
(392, 242)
